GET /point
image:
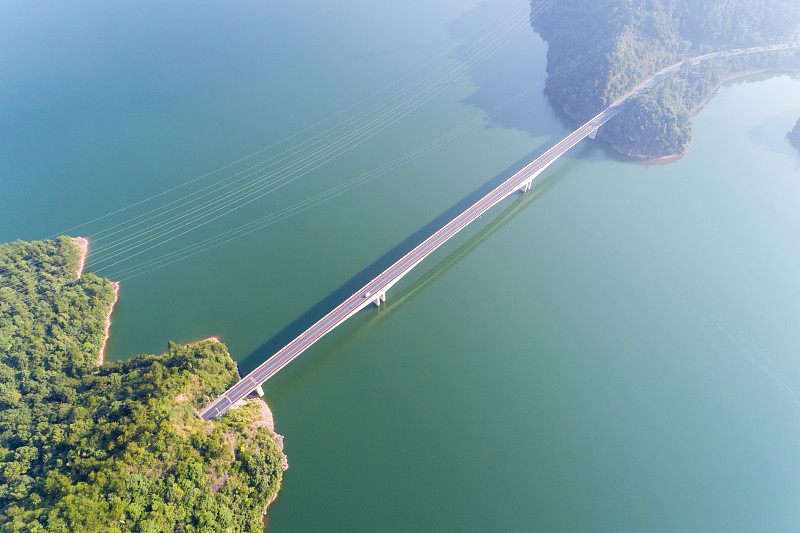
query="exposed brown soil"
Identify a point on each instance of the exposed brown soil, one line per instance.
(101, 359)
(215, 339)
(83, 244)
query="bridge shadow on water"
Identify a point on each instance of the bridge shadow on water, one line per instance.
(495, 82)
(520, 202)
(289, 333)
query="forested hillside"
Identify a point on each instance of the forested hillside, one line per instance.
(630, 40)
(115, 448)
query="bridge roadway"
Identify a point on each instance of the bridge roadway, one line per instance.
(374, 292)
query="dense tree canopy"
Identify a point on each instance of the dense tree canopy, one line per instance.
(115, 448)
(630, 40)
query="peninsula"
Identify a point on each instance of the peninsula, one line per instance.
(626, 42)
(116, 447)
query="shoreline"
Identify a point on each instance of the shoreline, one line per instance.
(83, 244)
(101, 358)
(212, 339)
(266, 419)
(670, 158)
(269, 421)
(728, 78)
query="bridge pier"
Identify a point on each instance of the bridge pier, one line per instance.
(520, 181)
(593, 134)
(260, 391)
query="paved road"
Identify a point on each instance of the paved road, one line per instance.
(374, 291)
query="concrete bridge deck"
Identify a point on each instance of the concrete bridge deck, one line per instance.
(374, 292)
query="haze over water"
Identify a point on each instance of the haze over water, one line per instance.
(617, 350)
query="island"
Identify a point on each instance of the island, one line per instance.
(598, 51)
(117, 446)
(794, 135)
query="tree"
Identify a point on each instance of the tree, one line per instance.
(600, 50)
(88, 448)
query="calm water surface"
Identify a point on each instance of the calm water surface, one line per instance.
(617, 350)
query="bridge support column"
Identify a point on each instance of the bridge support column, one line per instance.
(594, 133)
(260, 391)
(380, 299)
(525, 187)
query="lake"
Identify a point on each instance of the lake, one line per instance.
(615, 350)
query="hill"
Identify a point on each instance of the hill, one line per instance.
(629, 40)
(114, 448)
(794, 135)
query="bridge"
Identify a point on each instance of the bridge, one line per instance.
(374, 292)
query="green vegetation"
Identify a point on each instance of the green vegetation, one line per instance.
(115, 448)
(631, 40)
(794, 135)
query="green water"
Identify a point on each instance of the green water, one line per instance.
(616, 350)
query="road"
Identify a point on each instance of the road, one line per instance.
(374, 292)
